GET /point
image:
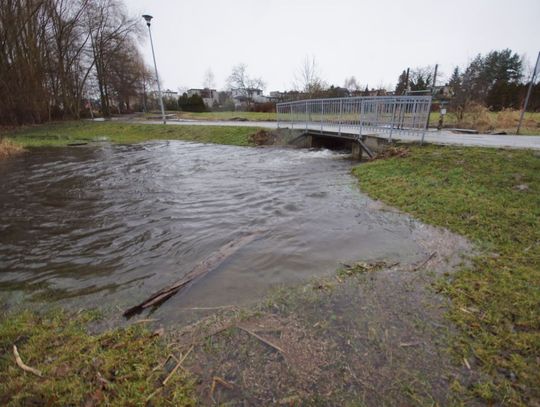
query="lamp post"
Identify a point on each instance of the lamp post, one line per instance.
(148, 18)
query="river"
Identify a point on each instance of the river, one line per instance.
(111, 224)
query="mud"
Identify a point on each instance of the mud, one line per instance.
(371, 337)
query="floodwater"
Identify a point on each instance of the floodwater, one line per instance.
(109, 225)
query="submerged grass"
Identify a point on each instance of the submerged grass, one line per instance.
(62, 134)
(9, 148)
(112, 368)
(493, 198)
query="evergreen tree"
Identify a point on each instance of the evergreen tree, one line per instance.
(193, 103)
(366, 91)
(402, 84)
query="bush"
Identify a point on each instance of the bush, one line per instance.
(477, 117)
(507, 118)
(192, 103)
(268, 107)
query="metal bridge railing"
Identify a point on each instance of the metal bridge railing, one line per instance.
(357, 116)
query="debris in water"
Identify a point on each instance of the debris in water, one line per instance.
(203, 268)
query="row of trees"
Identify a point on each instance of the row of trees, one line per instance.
(57, 55)
(496, 80)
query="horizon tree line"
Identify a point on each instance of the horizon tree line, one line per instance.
(61, 58)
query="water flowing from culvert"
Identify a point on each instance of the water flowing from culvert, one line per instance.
(112, 224)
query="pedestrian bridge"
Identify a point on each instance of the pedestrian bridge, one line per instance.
(355, 118)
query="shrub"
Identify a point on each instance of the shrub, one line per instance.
(507, 118)
(268, 107)
(8, 148)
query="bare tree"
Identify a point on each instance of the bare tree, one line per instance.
(308, 79)
(421, 78)
(111, 31)
(55, 53)
(243, 85)
(352, 85)
(23, 67)
(209, 81)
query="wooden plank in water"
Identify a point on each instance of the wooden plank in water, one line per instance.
(201, 269)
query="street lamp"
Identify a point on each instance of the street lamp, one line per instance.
(148, 18)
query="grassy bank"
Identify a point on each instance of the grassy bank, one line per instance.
(61, 134)
(493, 198)
(118, 367)
(251, 116)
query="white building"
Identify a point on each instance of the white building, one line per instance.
(167, 93)
(242, 97)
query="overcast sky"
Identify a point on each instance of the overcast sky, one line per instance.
(372, 40)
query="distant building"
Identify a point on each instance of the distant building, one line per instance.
(209, 96)
(242, 97)
(277, 96)
(170, 94)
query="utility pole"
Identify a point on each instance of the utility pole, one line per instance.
(533, 78)
(148, 18)
(434, 79)
(432, 92)
(407, 87)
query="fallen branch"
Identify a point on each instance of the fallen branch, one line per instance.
(219, 380)
(104, 382)
(144, 321)
(208, 308)
(177, 366)
(201, 269)
(21, 364)
(260, 338)
(409, 344)
(422, 264)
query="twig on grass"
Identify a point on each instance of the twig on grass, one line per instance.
(177, 366)
(260, 338)
(22, 365)
(164, 382)
(144, 321)
(219, 380)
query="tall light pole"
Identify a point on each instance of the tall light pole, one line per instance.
(148, 18)
(533, 78)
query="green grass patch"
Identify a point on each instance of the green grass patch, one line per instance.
(493, 198)
(61, 134)
(251, 116)
(112, 368)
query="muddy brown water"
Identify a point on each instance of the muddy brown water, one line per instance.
(108, 225)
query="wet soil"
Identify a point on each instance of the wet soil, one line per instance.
(374, 334)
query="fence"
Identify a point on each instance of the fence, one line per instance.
(357, 116)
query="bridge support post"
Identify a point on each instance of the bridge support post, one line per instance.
(356, 151)
(309, 141)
